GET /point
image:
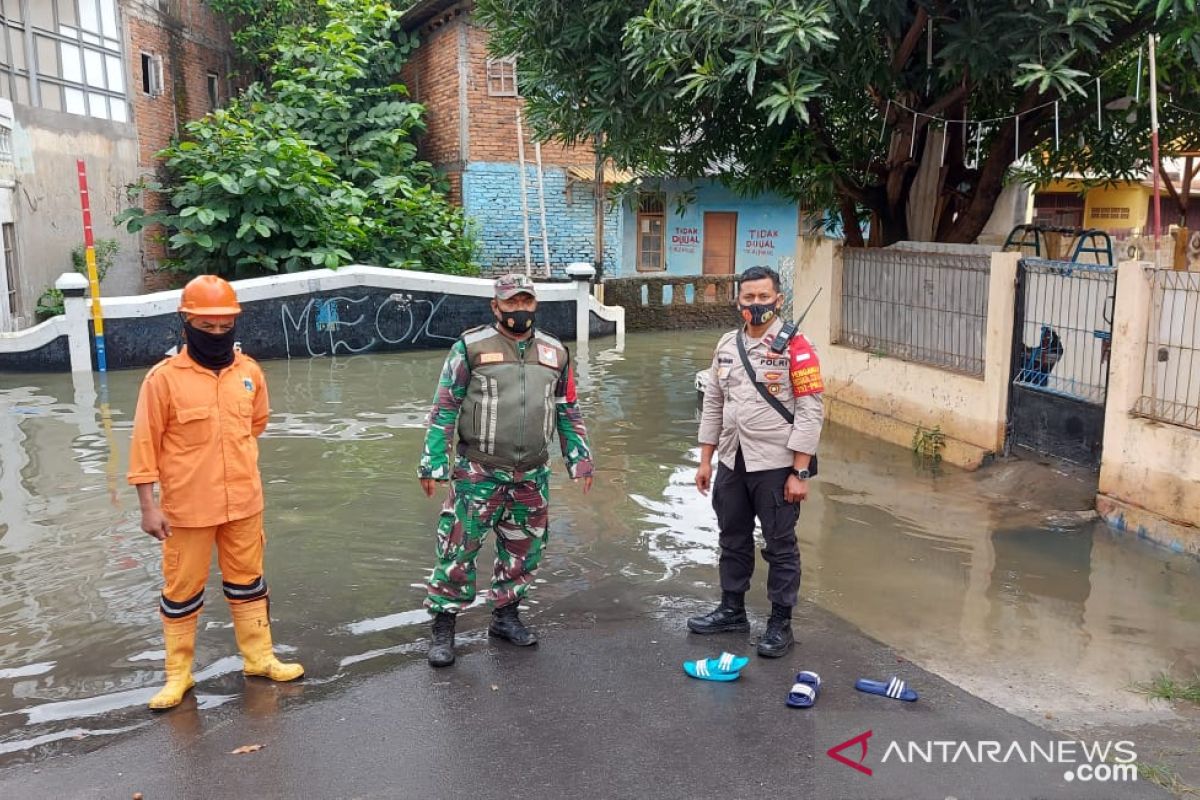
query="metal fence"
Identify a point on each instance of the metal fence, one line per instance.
(1065, 328)
(1171, 384)
(918, 306)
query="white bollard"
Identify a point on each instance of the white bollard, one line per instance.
(74, 288)
(582, 273)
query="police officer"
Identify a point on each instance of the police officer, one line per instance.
(762, 417)
(505, 388)
(195, 433)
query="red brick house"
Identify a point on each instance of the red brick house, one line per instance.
(107, 81)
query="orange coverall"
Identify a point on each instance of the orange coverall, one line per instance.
(195, 434)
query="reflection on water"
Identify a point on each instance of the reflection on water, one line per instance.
(926, 564)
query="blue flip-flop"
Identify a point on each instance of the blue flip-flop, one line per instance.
(895, 689)
(804, 691)
(706, 669)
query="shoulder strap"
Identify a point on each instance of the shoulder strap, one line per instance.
(774, 401)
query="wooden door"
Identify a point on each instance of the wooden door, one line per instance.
(720, 246)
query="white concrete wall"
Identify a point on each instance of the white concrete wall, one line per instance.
(49, 222)
(889, 398)
(1150, 471)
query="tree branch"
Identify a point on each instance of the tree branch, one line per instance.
(911, 40)
(1171, 190)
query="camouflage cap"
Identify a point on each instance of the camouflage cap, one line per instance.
(513, 284)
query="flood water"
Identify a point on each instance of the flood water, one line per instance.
(974, 588)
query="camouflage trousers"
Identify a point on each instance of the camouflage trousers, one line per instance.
(514, 505)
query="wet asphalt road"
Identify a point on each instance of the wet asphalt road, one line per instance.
(601, 709)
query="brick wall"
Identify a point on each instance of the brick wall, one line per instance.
(493, 120)
(431, 75)
(192, 42)
(492, 199)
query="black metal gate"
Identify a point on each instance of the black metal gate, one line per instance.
(1060, 359)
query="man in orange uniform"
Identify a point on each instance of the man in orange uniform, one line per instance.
(199, 414)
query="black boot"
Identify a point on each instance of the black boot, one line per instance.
(441, 649)
(729, 616)
(778, 639)
(507, 625)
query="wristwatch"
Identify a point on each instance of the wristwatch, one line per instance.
(802, 474)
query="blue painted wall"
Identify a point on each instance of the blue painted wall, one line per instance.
(492, 200)
(766, 230)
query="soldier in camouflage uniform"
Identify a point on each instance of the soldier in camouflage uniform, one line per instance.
(506, 388)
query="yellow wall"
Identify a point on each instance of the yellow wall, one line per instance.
(1133, 196)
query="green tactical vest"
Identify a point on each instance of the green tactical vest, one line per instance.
(508, 416)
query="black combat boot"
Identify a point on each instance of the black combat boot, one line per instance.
(441, 649)
(777, 639)
(507, 625)
(729, 616)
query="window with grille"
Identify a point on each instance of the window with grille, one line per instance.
(502, 77)
(76, 62)
(11, 271)
(1110, 212)
(651, 226)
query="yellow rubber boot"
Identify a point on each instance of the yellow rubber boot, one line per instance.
(252, 627)
(180, 636)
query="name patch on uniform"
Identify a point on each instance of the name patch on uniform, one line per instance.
(724, 359)
(490, 358)
(547, 355)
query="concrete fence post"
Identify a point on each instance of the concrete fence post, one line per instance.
(1126, 370)
(582, 273)
(74, 289)
(998, 343)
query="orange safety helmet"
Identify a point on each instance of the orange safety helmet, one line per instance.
(209, 296)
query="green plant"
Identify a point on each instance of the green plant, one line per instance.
(928, 444)
(316, 167)
(1165, 687)
(1162, 775)
(106, 256)
(50, 304)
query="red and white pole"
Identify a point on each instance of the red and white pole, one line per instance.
(1154, 158)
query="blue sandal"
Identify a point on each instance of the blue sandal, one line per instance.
(895, 689)
(804, 692)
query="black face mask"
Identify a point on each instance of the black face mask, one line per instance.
(758, 313)
(517, 322)
(209, 350)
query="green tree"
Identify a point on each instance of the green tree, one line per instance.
(256, 25)
(837, 102)
(318, 167)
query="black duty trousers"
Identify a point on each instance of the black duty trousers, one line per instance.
(740, 496)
